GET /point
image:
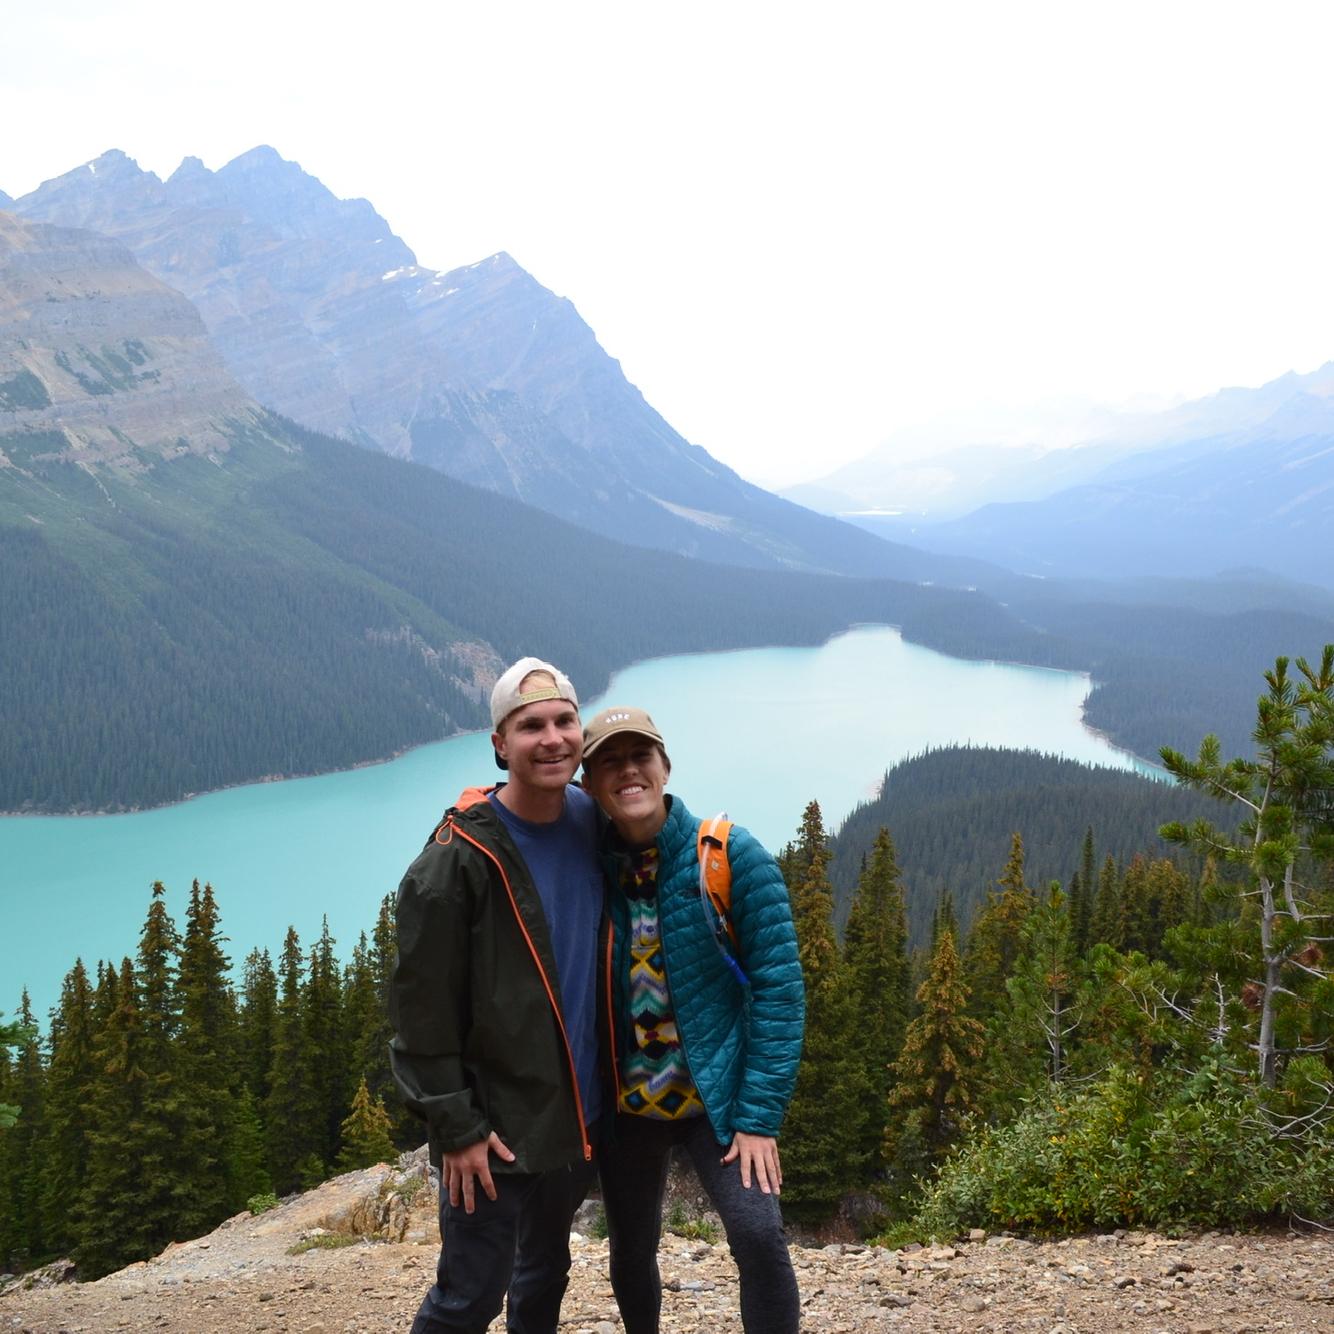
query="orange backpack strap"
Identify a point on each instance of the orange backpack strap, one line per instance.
(715, 886)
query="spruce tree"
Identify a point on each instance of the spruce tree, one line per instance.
(245, 1162)
(257, 1023)
(109, 1222)
(375, 1053)
(69, 1082)
(365, 1133)
(880, 977)
(290, 1110)
(935, 1081)
(22, 1144)
(994, 939)
(1083, 887)
(1105, 928)
(207, 1060)
(326, 1049)
(820, 1133)
(174, 1155)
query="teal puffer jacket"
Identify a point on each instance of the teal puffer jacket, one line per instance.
(742, 1043)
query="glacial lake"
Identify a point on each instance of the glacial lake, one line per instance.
(757, 733)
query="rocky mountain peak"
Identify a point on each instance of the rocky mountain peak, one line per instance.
(85, 196)
(191, 168)
(114, 164)
(5, 200)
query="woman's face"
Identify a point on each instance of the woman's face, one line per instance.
(627, 775)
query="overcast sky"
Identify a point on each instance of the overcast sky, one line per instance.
(800, 228)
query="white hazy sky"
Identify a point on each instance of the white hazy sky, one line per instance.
(801, 228)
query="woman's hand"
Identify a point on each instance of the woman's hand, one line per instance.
(758, 1153)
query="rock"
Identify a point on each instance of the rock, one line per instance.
(896, 1299)
(977, 1234)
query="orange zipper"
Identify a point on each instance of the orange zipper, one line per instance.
(546, 983)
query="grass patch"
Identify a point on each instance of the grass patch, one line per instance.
(680, 1222)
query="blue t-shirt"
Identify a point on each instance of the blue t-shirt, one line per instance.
(561, 858)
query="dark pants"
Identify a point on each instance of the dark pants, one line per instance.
(634, 1174)
(518, 1243)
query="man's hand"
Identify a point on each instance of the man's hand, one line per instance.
(465, 1167)
(758, 1153)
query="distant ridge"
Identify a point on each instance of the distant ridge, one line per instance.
(324, 315)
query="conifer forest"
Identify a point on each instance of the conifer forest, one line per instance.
(1142, 1034)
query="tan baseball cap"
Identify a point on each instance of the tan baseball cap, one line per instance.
(615, 720)
(506, 696)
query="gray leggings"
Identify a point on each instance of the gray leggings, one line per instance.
(633, 1167)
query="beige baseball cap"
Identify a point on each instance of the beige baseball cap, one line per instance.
(615, 720)
(506, 696)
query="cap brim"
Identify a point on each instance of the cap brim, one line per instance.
(594, 747)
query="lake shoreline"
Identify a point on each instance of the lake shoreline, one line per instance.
(370, 763)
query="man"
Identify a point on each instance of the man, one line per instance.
(493, 1003)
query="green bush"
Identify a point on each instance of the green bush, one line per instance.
(1131, 1151)
(261, 1204)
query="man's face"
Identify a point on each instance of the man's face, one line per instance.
(627, 776)
(542, 744)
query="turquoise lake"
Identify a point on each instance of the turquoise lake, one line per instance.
(757, 733)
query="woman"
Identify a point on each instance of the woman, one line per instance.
(700, 1057)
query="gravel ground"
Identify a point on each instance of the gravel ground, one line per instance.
(244, 1278)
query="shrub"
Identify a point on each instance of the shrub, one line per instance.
(260, 1204)
(1131, 1151)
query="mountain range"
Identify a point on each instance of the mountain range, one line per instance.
(1243, 478)
(198, 590)
(323, 315)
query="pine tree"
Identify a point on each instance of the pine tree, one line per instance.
(1289, 823)
(880, 977)
(69, 1082)
(1044, 989)
(820, 1133)
(935, 1084)
(365, 1133)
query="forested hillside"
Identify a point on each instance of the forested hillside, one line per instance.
(303, 605)
(954, 811)
(1134, 1041)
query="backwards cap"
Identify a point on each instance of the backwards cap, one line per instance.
(506, 697)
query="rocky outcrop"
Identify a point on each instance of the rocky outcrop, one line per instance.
(99, 362)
